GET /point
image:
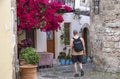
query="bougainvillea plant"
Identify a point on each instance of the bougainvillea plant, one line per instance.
(39, 14)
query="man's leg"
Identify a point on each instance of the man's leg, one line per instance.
(81, 69)
(81, 65)
(76, 70)
(75, 67)
(74, 59)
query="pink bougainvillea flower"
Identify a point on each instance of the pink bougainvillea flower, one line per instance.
(39, 14)
(68, 9)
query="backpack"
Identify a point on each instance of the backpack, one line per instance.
(78, 46)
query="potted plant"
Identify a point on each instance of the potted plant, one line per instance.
(22, 45)
(68, 58)
(61, 58)
(84, 59)
(31, 57)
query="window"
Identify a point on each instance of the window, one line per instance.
(50, 35)
(67, 33)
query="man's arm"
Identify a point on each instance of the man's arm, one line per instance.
(71, 46)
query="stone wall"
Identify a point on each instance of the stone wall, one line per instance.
(15, 64)
(105, 36)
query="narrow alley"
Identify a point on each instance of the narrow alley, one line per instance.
(67, 72)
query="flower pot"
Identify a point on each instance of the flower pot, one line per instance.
(67, 62)
(71, 62)
(28, 72)
(62, 61)
(84, 60)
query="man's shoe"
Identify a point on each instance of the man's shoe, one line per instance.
(76, 75)
(82, 73)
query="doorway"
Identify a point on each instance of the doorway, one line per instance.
(51, 42)
(85, 35)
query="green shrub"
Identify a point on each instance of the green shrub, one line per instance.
(30, 55)
(68, 57)
(62, 55)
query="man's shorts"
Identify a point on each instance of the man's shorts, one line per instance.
(77, 58)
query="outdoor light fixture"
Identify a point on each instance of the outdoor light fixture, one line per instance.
(96, 4)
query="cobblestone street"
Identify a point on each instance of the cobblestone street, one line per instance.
(67, 72)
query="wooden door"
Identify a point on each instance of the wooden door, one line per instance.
(51, 42)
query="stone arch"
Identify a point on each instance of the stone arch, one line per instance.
(86, 35)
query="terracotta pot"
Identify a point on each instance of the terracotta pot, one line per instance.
(28, 72)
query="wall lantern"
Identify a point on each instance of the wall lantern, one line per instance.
(96, 6)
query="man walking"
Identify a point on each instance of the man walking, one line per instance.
(77, 50)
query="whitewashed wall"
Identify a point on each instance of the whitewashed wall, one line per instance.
(41, 41)
(58, 45)
(74, 24)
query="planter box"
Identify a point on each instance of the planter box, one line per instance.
(46, 59)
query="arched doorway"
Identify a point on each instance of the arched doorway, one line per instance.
(85, 35)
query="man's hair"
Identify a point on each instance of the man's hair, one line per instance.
(75, 32)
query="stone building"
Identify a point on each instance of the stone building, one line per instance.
(105, 35)
(102, 35)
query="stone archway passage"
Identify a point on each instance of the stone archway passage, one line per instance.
(85, 35)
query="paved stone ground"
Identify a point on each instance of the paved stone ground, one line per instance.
(67, 72)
